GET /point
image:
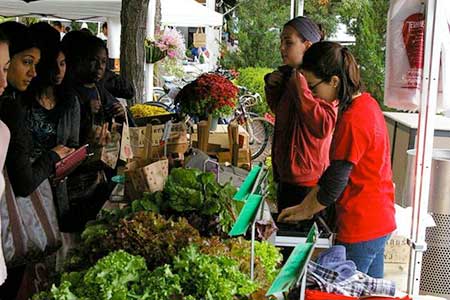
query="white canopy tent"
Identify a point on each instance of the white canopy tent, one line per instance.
(64, 9)
(188, 13)
(181, 13)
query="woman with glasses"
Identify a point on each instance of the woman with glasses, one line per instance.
(304, 123)
(359, 178)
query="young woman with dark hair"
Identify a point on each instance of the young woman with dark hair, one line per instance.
(304, 123)
(25, 176)
(52, 116)
(359, 178)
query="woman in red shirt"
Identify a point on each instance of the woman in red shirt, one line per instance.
(359, 178)
(304, 124)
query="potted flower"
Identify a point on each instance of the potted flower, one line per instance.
(210, 94)
(168, 43)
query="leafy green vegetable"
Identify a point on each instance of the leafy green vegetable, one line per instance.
(117, 276)
(122, 276)
(267, 257)
(211, 277)
(147, 234)
(150, 235)
(162, 284)
(195, 195)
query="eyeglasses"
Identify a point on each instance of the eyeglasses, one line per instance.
(312, 88)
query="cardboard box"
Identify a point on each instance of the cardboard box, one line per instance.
(220, 137)
(177, 143)
(244, 158)
(397, 250)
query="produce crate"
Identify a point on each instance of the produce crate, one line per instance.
(177, 143)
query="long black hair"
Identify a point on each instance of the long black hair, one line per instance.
(328, 59)
(48, 41)
(3, 38)
(19, 37)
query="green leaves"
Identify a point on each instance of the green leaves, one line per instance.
(211, 277)
(114, 277)
(121, 276)
(189, 190)
(257, 29)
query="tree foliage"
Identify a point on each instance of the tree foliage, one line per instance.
(257, 29)
(367, 21)
(259, 22)
(258, 26)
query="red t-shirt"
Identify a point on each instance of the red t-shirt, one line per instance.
(365, 210)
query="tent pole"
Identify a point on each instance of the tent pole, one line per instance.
(300, 7)
(113, 42)
(425, 136)
(150, 29)
(292, 9)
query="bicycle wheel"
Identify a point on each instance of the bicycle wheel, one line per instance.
(260, 137)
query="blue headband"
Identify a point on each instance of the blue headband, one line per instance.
(306, 28)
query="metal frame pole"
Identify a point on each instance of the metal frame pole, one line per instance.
(300, 7)
(425, 135)
(148, 70)
(292, 9)
(252, 253)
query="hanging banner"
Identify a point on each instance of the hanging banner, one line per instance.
(405, 44)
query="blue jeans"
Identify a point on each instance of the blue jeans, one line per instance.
(368, 256)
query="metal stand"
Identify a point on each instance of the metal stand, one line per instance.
(252, 252)
(425, 135)
(166, 135)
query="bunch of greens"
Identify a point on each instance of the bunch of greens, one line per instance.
(116, 276)
(211, 277)
(198, 197)
(267, 257)
(156, 239)
(147, 234)
(122, 276)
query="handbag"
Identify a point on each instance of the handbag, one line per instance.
(69, 163)
(199, 38)
(29, 226)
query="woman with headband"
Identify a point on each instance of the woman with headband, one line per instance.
(304, 123)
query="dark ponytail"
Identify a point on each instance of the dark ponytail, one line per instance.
(328, 59)
(3, 38)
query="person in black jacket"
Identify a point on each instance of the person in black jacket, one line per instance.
(25, 175)
(86, 64)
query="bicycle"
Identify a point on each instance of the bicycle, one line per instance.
(259, 129)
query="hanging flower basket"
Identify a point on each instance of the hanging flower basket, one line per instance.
(153, 53)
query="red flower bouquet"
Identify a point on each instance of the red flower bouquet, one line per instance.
(208, 94)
